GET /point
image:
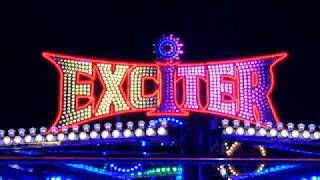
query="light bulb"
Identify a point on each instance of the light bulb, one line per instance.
(28, 138)
(251, 131)
(138, 132)
(240, 131)
(7, 140)
(71, 136)
(127, 133)
(39, 138)
(262, 132)
(150, 132)
(273, 132)
(60, 137)
(306, 134)
(17, 139)
(229, 130)
(116, 133)
(316, 135)
(93, 134)
(284, 133)
(162, 131)
(105, 134)
(295, 134)
(83, 136)
(50, 137)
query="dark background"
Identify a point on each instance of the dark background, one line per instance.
(124, 30)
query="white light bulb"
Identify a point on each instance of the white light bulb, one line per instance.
(50, 137)
(229, 130)
(316, 135)
(71, 136)
(105, 134)
(284, 133)
(150, 132)
(223, 172)
(251, 131)
(273, 132)
(6, 140)
(17, 140)
(39, 138)
(83, 136)
(28, 139)
(306, 134)
(262, 132)
(60, 137)
(162, 131)
(295, 133)
(93, 134)
(127, 133)
(240, 131)
(116, 133)
(138, 132)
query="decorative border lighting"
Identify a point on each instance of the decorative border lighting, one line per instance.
(269, 130)
(129, 173)
(74, 133)
(116, 168)
(170, 121)
(229, 170)
(168, 48)
(230, 150)
(234, 146)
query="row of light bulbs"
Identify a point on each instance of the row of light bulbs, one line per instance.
(269, 130)
(233, 172)
(65, 135)
(230, 150)
(262, 150)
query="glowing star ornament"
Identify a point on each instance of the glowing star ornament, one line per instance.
(238, 88)
(168, 48)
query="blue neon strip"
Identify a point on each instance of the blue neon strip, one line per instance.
(174, 46)
(268, 171)
(170, 120)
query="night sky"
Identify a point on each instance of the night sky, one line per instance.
(29, 84)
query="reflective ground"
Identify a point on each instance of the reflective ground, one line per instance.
(167, 168)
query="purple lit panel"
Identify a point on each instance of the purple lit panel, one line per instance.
(168, 104)
(191, 85)
(218, 87)
(254, 96)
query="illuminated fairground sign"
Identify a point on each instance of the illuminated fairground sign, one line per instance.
(91, 89)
